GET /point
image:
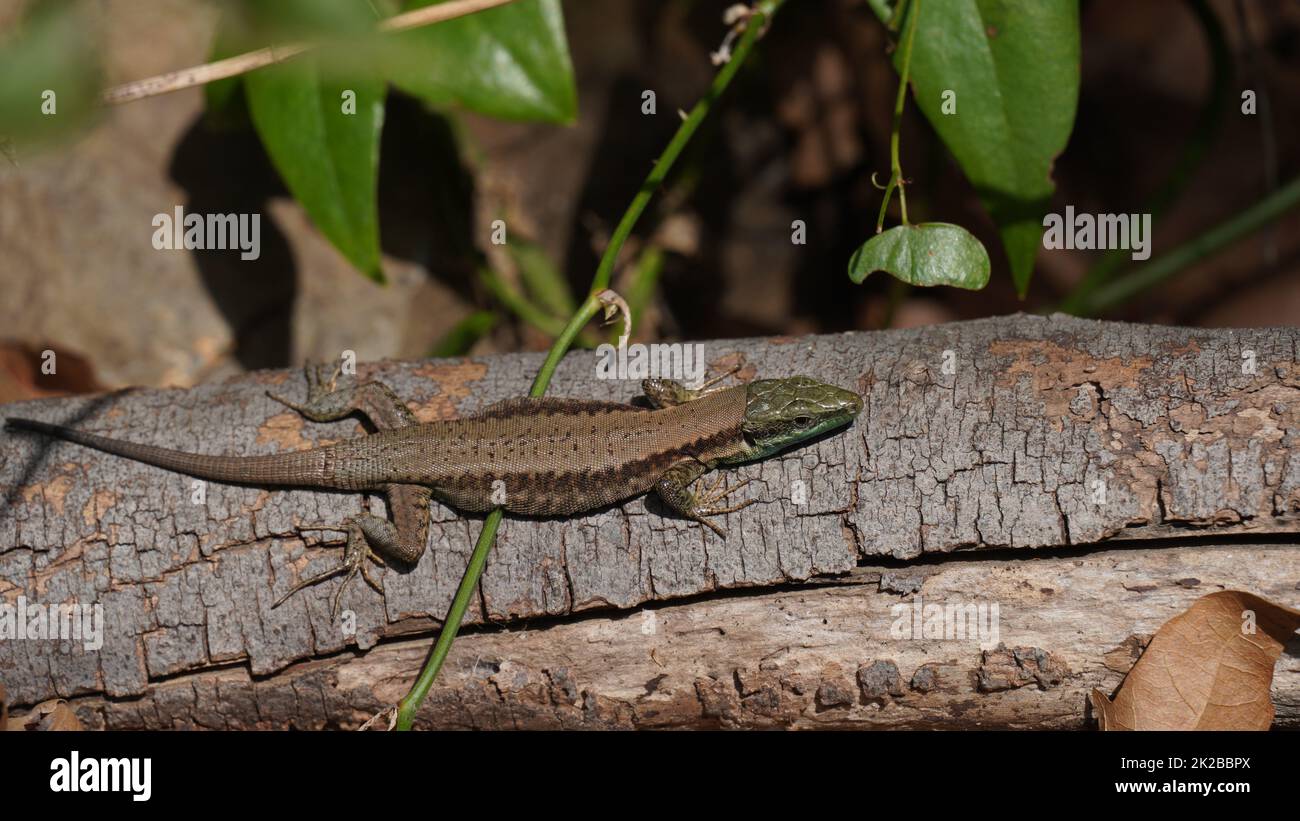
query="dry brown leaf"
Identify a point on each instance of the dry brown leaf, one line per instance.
(25, 372)
(62, 717)
(54, 714)
(1208, 668)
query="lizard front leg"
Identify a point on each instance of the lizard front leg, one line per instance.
(674, 487)
(369, 537)
(667, 393)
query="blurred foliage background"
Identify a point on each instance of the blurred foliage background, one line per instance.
(1159, 126)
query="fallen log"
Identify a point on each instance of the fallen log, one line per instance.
(1083, 439)
(844, 653)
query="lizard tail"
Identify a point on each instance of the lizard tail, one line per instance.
(306, 468)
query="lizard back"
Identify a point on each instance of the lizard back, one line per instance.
(549, 456)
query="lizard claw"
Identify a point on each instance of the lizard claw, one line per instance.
(377, 586)
(319, 385)
(283, 401)
(716, 492)
(699, 517)
(718, 511)
(355, 554)
(701, 513)
(324, 403)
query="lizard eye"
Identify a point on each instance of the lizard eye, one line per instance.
(802, 421)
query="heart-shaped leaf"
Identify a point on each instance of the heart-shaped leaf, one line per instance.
(930, 253)
(1208, 668)
(511, 62)
(999, 82)
(323, 136)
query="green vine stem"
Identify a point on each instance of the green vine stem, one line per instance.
(599, 299)
(895, 166)
(1153, 273)
(757, 21)
(411, 702)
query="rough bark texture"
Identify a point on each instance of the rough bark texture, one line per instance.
(822, 655)
(1009, 433)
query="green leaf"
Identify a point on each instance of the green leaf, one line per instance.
(511, 62)
(931, 253)
(329, 159)
(1014, 70)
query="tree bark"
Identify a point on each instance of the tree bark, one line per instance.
(1144, 465)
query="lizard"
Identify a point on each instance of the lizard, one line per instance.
(533, 456)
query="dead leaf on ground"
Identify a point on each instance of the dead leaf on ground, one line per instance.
(48, 715)
(1208, 668)
(28, 372)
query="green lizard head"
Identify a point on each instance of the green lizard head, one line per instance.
(784, 412)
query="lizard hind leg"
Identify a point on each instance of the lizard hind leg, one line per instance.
(371, 538)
